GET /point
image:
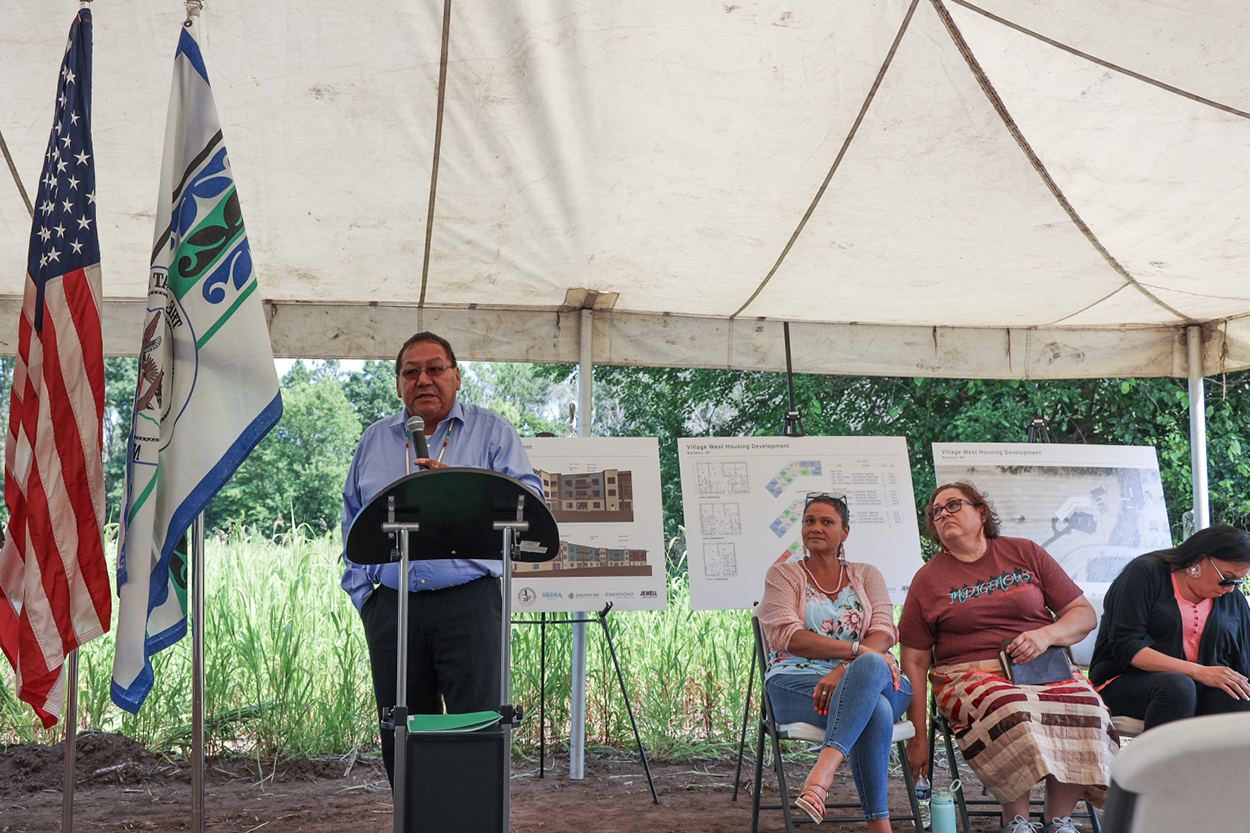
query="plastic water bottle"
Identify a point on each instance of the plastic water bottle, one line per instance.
(922, 798)
(943, 809)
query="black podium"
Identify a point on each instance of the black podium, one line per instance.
(453, 513)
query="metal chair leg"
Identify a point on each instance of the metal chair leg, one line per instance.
(781, 782)
(952, 764)
(910, 783)
(759, 775)
(1094, 823)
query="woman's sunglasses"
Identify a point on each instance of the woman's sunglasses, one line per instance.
(1225, 581)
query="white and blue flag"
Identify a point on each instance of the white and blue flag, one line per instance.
(207, 390)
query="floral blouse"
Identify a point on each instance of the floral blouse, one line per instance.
(838, 618)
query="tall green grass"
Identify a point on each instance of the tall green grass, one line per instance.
(287, 670)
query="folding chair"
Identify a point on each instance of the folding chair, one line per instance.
(1185, 775)
(775, 733)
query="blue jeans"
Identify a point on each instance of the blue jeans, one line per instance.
(860, 723)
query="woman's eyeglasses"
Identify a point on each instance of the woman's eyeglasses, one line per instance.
(1225, 581)
(950, 507)
(834, 496)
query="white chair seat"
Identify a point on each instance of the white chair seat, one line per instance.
(1128, 727)
(1185, 775)
(903, 730)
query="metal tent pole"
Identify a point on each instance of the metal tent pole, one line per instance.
(1198, 429)
(577, 728)
(197, 674)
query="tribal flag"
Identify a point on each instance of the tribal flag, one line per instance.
(54, 584)
(207, 391)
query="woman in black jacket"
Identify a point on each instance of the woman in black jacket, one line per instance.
(1174, 641)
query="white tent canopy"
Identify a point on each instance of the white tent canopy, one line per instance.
(1005, 188)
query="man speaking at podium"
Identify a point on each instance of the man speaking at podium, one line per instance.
(455, 605)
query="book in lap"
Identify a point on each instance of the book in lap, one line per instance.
(1051, 666)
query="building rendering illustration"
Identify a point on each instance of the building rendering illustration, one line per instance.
(590, 497)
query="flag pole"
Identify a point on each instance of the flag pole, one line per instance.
(71, 659)
(71, 739)
(197, 674)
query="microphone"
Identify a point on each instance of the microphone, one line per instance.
(416, 427)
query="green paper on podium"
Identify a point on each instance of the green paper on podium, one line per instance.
(471, 722)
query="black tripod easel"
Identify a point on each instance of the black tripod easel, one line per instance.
(602, 619)
(792, 426)
(1039, 430)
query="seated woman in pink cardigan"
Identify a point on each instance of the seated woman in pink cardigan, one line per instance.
(828, 627)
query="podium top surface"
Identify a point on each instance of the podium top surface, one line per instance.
(456, 509)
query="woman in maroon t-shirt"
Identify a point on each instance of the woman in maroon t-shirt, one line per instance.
(978, 591)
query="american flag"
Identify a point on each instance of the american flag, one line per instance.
(53, 577)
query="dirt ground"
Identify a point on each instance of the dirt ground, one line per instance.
(120, 786)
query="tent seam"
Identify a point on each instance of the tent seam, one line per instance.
(1057, 322)
(846, 143)
(438, 143)
(1104, 63)
(1035, 160)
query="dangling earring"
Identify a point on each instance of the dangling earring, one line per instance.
(1194, 571)
(842, 552)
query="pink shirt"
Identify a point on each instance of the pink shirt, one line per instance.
(781, 611)
(1193, 620)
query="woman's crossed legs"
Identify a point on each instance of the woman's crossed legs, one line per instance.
(860, 724)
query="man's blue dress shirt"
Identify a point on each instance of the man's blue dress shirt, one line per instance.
(480, 438)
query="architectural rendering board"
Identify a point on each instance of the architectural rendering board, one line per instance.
(605, 495)
(744, 499)
(1093, 507)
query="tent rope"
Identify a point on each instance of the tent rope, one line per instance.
(16, 177)
(846, 143)
(1035, 160)
(1095, 60)
(438, 143)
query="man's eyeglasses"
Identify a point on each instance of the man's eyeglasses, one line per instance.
(434, 371)
(950, 507)
(834, 496)
(1225, 581)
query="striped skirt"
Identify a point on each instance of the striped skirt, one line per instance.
(1014, 736)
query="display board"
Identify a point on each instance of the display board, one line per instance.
(605, 495)
(744, 497)
(1093, 507)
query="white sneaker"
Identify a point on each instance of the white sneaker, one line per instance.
(1021, 825)
(1061, 825)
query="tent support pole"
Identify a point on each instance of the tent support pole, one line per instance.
(1198, 429)
(577, 728)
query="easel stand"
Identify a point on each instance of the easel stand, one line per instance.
(459, 513)
(602, 618)
(746, 719)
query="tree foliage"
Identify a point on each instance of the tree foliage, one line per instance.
(672, 403)
(529, 399)
(371, 391)
(299, 469)
(296, 473)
